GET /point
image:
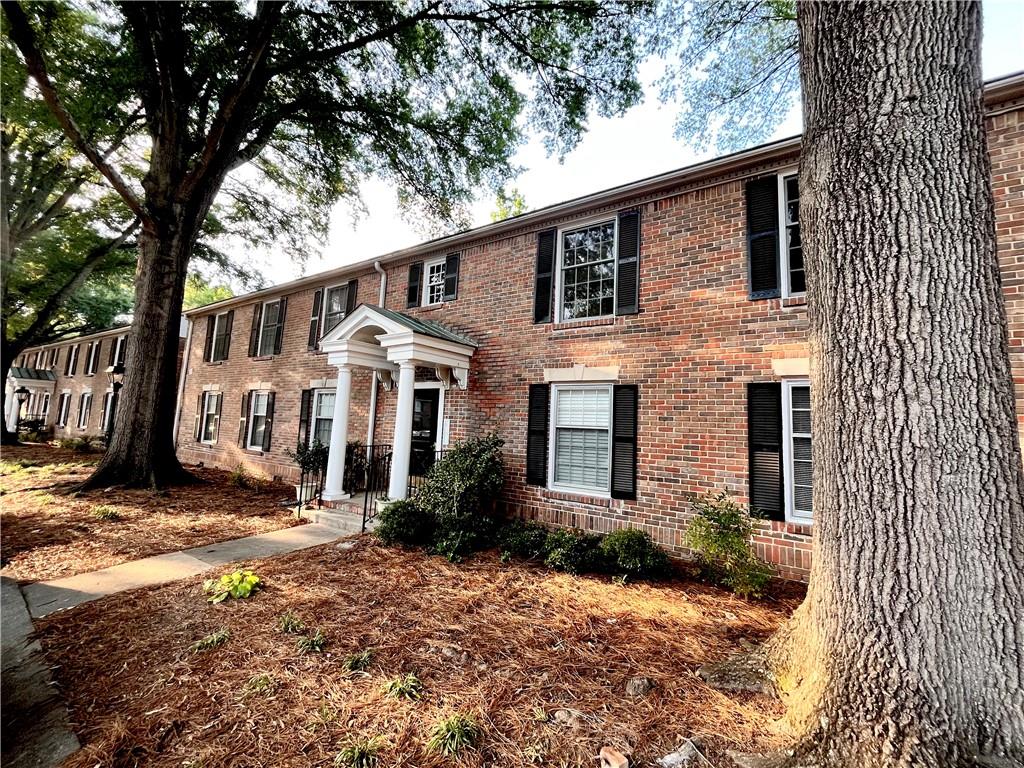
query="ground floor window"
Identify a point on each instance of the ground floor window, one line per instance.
(581, 438)
(323, 416)
(258, 420)
(84, 405)
(796, 423)
(108, 411)
(210, 415)
(63, 406)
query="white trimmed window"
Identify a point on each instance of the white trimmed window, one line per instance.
(120, 348)
(257, 420)
(84, 405)
(323, 416)
(92, 356)
(581, 420)
(791, 256)
(586, 271)
(433, 282)
(796, 449)
(335, 303)
(63, 406)
(44, 405)
(268, 328)
(108, 402)
(210, 415)
(221, 337)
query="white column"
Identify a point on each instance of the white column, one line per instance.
(401, 446)
(12, 410)
(333, 489)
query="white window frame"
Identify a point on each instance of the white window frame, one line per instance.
(119, 348)
(783, 239)
(249, 446)
(584, 224)
(84, 411)
(314, 406)
(90, 358)
(63, 409)
(216, 329)
(263, 326)
(44, 412)
(792, 514)
(206, 413)
(552, 433)
(426, 281)
(72, 364)
(326, 302)
(108, 400)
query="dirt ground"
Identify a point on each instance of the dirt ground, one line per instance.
(508, 644)
(47, 530)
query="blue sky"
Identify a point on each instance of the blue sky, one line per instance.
(595, 164)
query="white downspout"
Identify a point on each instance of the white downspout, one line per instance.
(382, 295)
(181, 381)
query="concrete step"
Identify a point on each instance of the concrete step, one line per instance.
(343, 521)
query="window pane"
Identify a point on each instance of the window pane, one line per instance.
(322, 430)
(583, 407)
(435, 283)
(797, 276)
(581, 458)
(269, 328)
(337, 298)
(325, 405)
(588, 271)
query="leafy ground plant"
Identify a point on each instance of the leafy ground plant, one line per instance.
(290, 624)
(572, 551)
(211, 641)
(315, 643)
(720, 535)
(357, 662)
(106, 512)
(237, 585)
(632, 553)
(404, 687)
(262, 684)
(360, 753)
(454, 734)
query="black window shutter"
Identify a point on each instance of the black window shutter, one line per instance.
(67, 363)
(763, 237)
(627, 279)
(624, 431)
(305, 408)
(537, 436)
(254, 333)
(216, 415)
(314, 319)
(229, 324)
(197, 427)
(74, 361)
(412, 293)
(243, 421)
(451, 277)
(113, 350)
(352, 298)
(544, 276)
(764, 438)
(211, 321)
(282, 310)
(269, 422)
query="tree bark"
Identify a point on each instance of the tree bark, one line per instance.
(909, 650)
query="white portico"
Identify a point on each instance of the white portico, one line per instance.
(393, 345)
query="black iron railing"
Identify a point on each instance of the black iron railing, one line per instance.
(420, 464)
(377, 475)
(311, 487)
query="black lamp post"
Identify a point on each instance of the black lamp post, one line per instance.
(115, 375)
(21, 395)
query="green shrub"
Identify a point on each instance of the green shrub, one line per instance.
(357, 662)
(315, 643)
(405, 522)
(212, 640)
(106, 512)
(310, 457)
(720, 535)
(453, 734)
(572, 551)
(632, 553)
(290, 624)
(403, 687)
(237, 585)
(360, 753)
(262, 684)
(84, 444)
(519, 538)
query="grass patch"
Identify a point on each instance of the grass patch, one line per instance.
(453, 735)
(403, 687)
(315, 643)
(290, 624)
(106, 512)
(360, 753)
(357, 662)
(211, 641)
(262, 684)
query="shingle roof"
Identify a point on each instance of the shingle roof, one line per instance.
(427, 327)
(38, 374)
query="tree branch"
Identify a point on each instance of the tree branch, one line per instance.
(24, 37)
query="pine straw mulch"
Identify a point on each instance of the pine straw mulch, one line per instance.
(508, 643)
(49, 531)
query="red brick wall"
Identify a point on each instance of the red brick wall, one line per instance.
(696, 343)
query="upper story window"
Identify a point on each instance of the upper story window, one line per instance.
(796, 449)
(51, 360)
(792, 262)
(586, 271)
(581, 419)
(267, 335)
(335, 306)
(92, 354)
(774, 247)
(268, 327)
(120, 349)
(433, 282)
(218, 336)
(71, 363)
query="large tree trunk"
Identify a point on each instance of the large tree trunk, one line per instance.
(142, 451)
(909, 650)
(8, 353)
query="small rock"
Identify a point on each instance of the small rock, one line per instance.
(744, 760)
(639, 686)
(570, 718)
(688, 754)
(612, 758)
(346, 544)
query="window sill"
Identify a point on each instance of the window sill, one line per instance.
(596, 322)
(794, 526)
(432, 307)
(214, 362)
(794, 301)
(576, 498)
(262, 358)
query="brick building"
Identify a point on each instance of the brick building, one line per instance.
(634, 347)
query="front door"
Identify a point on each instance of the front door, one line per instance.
(425, 406)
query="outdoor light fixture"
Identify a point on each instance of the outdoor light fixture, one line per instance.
(21, 394)
(115, 375)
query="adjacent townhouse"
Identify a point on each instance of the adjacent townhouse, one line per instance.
(67, 387)
(634, 348)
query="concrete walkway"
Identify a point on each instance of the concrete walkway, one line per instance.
(45, 597)
(35, 731)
